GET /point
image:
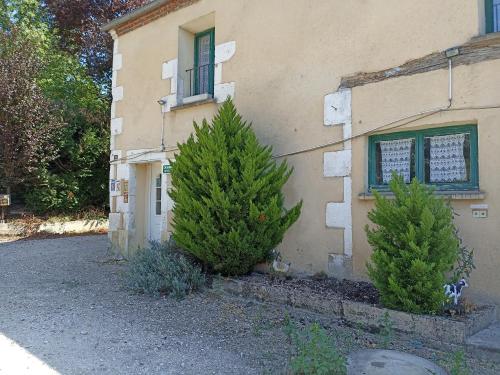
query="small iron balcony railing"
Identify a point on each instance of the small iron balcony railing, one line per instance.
(201, 80)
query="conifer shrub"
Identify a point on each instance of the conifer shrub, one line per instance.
(229, 208)
(414, 245)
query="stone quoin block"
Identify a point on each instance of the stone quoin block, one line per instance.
(337, 164)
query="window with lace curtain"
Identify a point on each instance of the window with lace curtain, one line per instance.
(443, 157)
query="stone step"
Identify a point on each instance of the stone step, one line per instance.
(486, 343)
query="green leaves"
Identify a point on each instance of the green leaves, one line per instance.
(229, 209)
(414, 246)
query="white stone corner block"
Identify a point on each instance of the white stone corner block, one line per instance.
(338, 215)
(169, 69)
(337, 108)
(116, 126)
(112, 142)
(224, 51)
(117, 93)
(223, 90)
(117, 61)
(122, 206)
(123, 171)
(115, 221)
(337, 164)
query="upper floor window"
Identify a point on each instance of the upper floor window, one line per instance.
(203, 69)
(442, 157)
(492, 16)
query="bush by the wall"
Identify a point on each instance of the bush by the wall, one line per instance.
(229, 208)
(163, 269)
(414, 247)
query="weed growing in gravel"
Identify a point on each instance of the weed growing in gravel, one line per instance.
(386, 332)
(458, 364)
(163, 269)
(313, 351)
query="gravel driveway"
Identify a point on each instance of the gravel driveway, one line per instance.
(63, 309)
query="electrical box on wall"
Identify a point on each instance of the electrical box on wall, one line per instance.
(479, 211)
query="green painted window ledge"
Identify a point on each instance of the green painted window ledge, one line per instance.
(467, 195)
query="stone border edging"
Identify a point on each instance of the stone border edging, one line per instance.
(76, 226)
(428, 327)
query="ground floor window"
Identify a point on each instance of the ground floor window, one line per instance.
(443, 157)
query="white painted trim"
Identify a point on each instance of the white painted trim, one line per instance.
(145, 156)
(338, 111)
(217, 74)
(196, 98)
(117, 61)
(113, 110)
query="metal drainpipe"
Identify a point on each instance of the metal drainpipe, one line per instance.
(162, 102)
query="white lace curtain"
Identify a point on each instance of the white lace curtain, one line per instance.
(396, 156)
(447, 161)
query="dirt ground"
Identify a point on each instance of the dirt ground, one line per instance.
(63, 309)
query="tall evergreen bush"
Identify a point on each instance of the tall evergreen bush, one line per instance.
(414, 246)
(229, 208)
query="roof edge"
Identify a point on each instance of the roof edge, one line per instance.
(145, 9)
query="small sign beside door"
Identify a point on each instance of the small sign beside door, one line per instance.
(167, 168)
(4, 200)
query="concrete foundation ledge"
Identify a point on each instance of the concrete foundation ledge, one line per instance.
(76, 226)
(432, 329)
(306, 299)
(429, 327)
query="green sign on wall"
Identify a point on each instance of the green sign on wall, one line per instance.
(167, 168)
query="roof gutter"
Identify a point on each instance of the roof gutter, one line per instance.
(134, 14)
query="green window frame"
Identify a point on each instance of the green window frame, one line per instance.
(197, 68)
(419, 166)
(492, 10)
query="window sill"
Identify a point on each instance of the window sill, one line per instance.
(192, 101)
(474, 195)
(486, 37)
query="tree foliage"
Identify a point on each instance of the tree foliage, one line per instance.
(414, 247)
(79, 26)
(229, 209)
(29, 122)
(75, 175)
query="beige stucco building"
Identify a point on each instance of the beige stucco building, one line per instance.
(344, 90)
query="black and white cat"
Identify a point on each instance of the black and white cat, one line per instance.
(455, 290)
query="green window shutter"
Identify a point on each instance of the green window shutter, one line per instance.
(420, 159)
(204, 57)
(492, 13)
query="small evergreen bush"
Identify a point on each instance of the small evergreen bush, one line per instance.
(229, 209)
(163, 269)
(414, 247)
